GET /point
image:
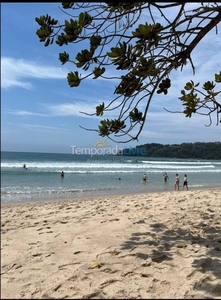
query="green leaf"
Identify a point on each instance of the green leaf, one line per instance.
(100, 109)
(135, 115)
(84, 19)
(188, 86)
(73, 79)
(98, 72)
(63, 57)
(95, 40)
(40, 21)
(218, 77)
(47, 42)
(209, 85)
(67, 5)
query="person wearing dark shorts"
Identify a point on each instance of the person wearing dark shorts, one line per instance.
(165, 175)
(144, 178)
(185, 182)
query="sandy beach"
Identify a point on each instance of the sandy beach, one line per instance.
(144, 246)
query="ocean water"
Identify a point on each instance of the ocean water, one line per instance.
(97, 175)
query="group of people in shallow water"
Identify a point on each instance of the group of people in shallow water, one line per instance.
(144, 179)
(177, 180)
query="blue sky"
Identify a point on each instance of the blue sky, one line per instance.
(41, 113)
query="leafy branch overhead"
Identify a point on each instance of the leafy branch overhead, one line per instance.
(142, 55)
(193, 103)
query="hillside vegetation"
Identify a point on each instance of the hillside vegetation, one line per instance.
(198, 150)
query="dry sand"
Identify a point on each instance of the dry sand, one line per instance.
(144, 246)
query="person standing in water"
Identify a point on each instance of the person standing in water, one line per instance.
(166, 177)
(177, 182)
(185, 182)
(144, 178)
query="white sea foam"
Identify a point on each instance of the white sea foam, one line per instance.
(98, 175)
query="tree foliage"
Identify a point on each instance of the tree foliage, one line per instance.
(144, 55)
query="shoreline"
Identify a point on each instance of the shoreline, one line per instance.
(138, 246)
(111, 195)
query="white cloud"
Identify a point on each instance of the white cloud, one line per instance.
(75, 109)
(70, 109)
(175, 127)
(18, 72)
(23, 113)
(60, 110)
(43, 128)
